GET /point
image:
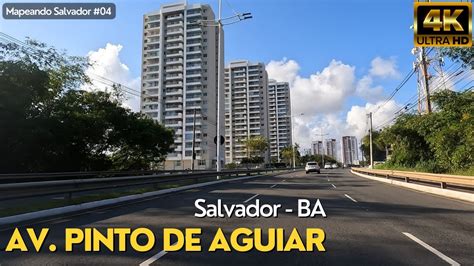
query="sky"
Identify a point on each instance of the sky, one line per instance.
(341, 58)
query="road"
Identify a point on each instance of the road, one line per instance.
(367, 223)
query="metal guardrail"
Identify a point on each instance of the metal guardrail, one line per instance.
(31, 177)
(443, 180)
(67, 187)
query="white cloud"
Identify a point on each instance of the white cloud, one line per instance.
(384, 68)
(106, 63)
(322, 95)
(367, 91)
(356, 118)
(284, 70)
(322, 92)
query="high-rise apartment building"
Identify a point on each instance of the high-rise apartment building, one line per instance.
(317, 147)
(279, 117)
(331, 148)
(350, 150)
(246, 107)
(179, 75)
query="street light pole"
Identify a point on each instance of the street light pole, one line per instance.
(194, 141)
(219, 24)
(322, 146)
(293, 144)
(219, 86)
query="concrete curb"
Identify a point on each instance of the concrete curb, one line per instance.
(432, 190)
(101, 203)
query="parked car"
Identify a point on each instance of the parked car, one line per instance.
(327, 166)
(334, 166)
(312, 167)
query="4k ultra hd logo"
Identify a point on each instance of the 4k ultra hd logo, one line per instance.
(443, 24)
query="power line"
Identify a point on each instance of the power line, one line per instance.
(411, 105)
(402, 83)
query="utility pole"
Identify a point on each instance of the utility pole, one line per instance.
(194, 141)
(371, 144)
(426, 79)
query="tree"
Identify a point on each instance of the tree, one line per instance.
(442, 141)
(462, 55)
(378, 147)
(256, 145)
(49, 124)
(286, 154)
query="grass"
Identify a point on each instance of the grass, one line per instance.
(31, 207)
(50, 204)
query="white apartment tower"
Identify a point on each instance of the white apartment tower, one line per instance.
(317, 147)
(349, 150)
(279, 117)
(179, 75)
(331, 148)
(246, 107)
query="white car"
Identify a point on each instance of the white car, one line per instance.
(327, 166)
(312, 167)
(335, 166)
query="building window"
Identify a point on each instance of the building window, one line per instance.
(202, 162)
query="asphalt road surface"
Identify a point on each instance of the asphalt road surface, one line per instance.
(367, 223)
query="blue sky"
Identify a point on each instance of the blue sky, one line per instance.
(311, 33)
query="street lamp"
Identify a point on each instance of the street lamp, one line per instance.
(292, 139)
(219, 23)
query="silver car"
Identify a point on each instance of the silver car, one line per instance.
(312, 167)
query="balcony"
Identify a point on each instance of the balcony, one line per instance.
(174, 100)
(170, 62)
(174, 46)
(173, 108)
(174, 17)
(174, 116)
(176, 38)
(174, 54)
(174, 77)
(194, 60)
(194, 82)
(173, 123)
(174, 84)
(171, 25)
(174, 69)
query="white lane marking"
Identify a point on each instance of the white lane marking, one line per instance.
(273, 186)
(328, 179)
(432, 249)
(349, 197)
(283, 180)
(249, 199)
(155, 257)
(333, 186)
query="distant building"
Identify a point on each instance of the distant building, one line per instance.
(306, 152)
(317, 147)
(246, 107)
(331, 148)
(279, 117)
(349, 150)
